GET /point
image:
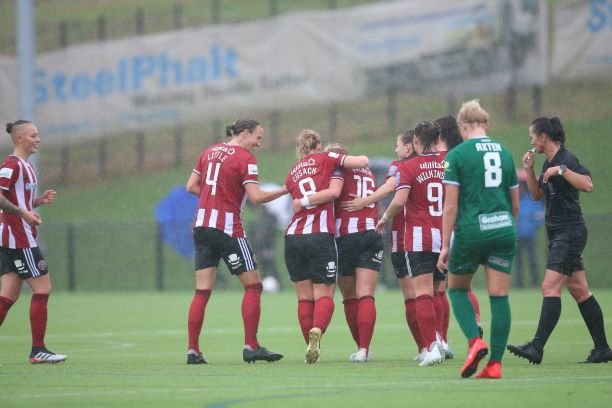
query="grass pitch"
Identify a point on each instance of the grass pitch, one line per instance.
(128, 349)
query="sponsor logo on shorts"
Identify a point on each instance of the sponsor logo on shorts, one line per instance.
(42, 265)
(234, 261)
(21, 268)
(493, 260)
(378, 257)
(331, 269)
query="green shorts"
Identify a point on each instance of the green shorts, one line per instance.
(467, 255)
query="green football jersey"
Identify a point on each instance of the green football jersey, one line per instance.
(484, 171)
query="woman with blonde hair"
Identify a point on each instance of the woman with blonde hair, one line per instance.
(310, 250)
(480, 205)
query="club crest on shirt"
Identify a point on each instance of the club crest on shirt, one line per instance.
(252, 169)
(6, 172)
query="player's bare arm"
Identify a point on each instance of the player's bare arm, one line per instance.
(30, 217)
(48, 197)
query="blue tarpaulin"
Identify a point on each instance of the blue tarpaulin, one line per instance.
(175, 214)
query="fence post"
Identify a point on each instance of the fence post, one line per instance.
(537, 99)
(102, 145)
(333, 121)
(218, 133)
(63, 42)
(451, 104)
(159, 259)
(63, 34)
(139, 20)
(177, 14)
(273, 7)
(101, 27)
(215, 11)
(178, 144)
(507, 33)
(274, 136)
(70, 264)
(102, 156)
(140, 150)
(391, 108)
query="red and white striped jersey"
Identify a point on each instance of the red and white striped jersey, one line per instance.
(357, 183)
(309, 175)
(423, 175)
(224, 170)
(398, 224)
(18, 183)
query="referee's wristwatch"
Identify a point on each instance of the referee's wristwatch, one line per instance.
(562, 169)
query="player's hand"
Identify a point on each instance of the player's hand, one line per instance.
(31, 218)
(550, 172)
(296, 206)
(380, 226)
(48, 197)
(442, 263)
(354, 205)
(528, 159)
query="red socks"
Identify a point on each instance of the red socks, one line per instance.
(411, 319)
(315, 314)
(323, 310)
(442, 313)
(426, 318)
(38, 319)
(474, 301)
(5, 305)
(251, 311)
(437, 301)
(195, 319)
(445, 314)
(366, 320)
(305, 315)
(351, 310)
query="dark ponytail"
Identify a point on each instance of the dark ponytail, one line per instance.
(449, 131)
(241, 124)
(428, 133)
(551, 127)
(11, 126)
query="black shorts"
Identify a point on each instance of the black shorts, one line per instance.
(359, 250)
(212, 244)
(25, 262)
(422, 263)
(400, 268)
(311, 257)
(565, 246)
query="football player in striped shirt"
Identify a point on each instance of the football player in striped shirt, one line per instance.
(223, 177)
(20, 256)
(419, 193)
(310, 249)
(404, 150)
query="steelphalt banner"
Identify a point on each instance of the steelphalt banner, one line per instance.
(582, 46)
(284, 62)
